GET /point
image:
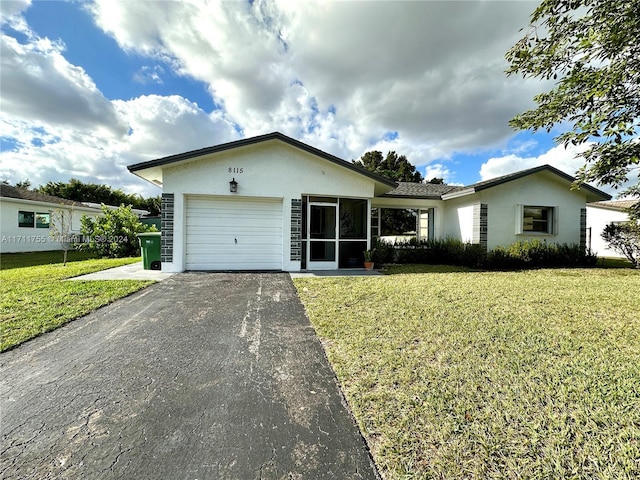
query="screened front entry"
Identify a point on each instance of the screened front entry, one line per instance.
(336, 232)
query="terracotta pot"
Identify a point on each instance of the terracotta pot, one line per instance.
(368, 265)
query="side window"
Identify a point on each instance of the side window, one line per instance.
(26, 219)
(536, 219)
(43, 220)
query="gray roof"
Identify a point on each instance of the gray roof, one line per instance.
(421, 190)
(492, 182)
(593, 192)
(616, 204)
(22, 194)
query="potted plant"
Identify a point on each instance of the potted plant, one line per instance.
(368, 259)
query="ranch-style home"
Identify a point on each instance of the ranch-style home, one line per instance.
(274, 203)
(28, 217)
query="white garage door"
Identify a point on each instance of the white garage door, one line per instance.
(233, 234)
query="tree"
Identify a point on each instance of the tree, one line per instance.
(591, 48)
(60, 230)
(25, 184)
(113, 234)
(625, 239)
(392, 166)
(79, 191)
(436, 181)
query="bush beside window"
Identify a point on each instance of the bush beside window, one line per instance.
(524, 254)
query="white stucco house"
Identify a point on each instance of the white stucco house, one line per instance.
(27, 218)
(273, 203)
(601, 214)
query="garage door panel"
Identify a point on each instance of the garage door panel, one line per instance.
(233, 234)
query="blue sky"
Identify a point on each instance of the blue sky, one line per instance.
(91, 87)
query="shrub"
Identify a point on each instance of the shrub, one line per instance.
(446, 251)
(113, 234)
(382, 252)
(538, 254)
(624, 238)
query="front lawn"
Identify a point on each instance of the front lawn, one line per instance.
(459, 374)
(34, 298)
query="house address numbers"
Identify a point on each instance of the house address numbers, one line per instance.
(236, 170)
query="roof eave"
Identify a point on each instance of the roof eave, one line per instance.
(459, 193)
(411, 197)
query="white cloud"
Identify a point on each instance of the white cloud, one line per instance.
(437, 170)
(147, 74)
(160, 126)
(56, 123)
(11, 13)
(343, 74)
(337, 75)
(562, 158)
(163, 126)
(39, 85)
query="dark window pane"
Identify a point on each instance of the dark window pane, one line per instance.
(353, 218)
(43, 220)
(536, 219)
(323, 251)
(352, 254)
(323, 199)
(26, 219)
(398, 221)
(323, 222)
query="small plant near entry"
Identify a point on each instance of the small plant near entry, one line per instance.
(368, 259)
(624, 238)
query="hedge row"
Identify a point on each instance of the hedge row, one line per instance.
(524, 254)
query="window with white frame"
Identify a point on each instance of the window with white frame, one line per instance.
(536, 219)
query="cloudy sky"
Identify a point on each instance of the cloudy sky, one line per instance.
(88, 88)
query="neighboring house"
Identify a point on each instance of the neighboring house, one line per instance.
(26, 219)
(601, 214)
(26, 216)
(274, 203)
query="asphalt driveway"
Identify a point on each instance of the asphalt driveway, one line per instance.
(201, 376)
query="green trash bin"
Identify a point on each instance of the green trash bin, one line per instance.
(150, 248)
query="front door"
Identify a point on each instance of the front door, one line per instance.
(322, 253)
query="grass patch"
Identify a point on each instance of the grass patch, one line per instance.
(34, 299)
(461, 374)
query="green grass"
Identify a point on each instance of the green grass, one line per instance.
(34, 298)
(458, 374)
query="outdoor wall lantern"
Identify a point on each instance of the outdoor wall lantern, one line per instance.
(233, 186)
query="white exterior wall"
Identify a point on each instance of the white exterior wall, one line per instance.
(465, 222)
(267, 170)
(541, 189)
(598, 218)
(14, 239)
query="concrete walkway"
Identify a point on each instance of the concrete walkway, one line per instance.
(200, 376)
(135, 271)
(132, 271)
